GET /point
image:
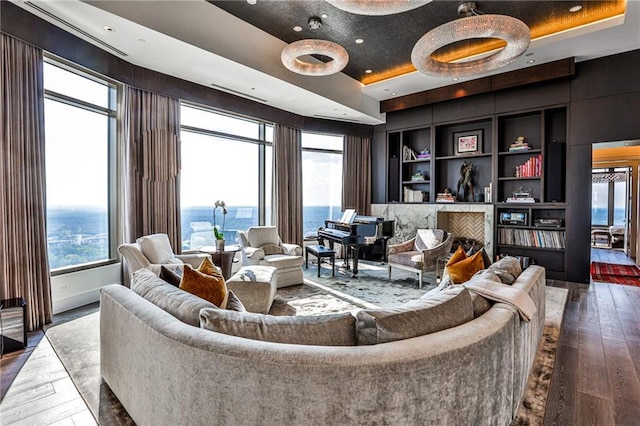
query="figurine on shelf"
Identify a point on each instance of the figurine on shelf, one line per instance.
(465, 183)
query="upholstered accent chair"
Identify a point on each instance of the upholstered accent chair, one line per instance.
(261, 245)
(154, 251)
(420, 253)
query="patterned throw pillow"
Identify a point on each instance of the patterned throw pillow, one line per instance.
(428, 238)
(206, 282)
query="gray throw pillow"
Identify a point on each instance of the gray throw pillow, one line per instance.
(234, 304)
(322, 330)
(508, 269)
(485, 257)
(429, 314)
(172, 277)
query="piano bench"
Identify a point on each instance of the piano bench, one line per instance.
(319, 252)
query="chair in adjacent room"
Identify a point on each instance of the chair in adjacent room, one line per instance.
(261, 245)
(420, 253)
(154, 251)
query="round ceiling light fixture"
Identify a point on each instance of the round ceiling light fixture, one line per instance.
(290, 54)
(511, 30)
(377, 7)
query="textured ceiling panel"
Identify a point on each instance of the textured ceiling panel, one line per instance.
(388, 40)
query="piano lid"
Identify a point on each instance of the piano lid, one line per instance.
(368, 219)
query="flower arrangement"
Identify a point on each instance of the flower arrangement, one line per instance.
(219, 234)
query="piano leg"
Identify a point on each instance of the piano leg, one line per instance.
(356, 255)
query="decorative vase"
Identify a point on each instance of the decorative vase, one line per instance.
(220, 245)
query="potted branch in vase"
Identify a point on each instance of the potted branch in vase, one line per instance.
(219, 234)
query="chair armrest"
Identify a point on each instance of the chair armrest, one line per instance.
(193, 259)
(253, 254)
(402, 247)
(292, 249)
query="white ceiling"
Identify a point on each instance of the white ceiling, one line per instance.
(198, 42)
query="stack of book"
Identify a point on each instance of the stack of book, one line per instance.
(413, 196)
(521, 197)
(519, 145)
(445, 197)
(408, 154)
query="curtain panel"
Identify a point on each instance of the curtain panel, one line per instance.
(152, 165)
(287, 169)
(356, 174)
(24, 270)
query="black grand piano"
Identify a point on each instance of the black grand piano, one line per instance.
(356, 232)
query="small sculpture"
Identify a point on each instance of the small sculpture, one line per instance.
(465, 183)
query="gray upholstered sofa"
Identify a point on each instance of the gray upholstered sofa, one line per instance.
(167, 372)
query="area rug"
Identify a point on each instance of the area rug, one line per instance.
(77, 342)
(615, 274)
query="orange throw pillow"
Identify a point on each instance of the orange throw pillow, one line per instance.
(206, 282)
(457, 256)
(462, 270)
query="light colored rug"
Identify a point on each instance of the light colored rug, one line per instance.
(77, 342)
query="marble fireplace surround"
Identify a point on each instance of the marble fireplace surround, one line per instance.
(410, 217)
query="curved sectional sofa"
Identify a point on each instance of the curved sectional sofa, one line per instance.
(167, 372)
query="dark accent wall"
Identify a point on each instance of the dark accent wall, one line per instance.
(602, 98)
(25, 26)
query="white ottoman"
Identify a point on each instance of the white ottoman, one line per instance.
(255, 286)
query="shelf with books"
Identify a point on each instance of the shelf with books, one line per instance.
(415, 182)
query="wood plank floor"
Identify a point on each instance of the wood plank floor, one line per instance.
(596, 379)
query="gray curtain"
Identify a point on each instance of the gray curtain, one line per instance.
(152, 165)
(287, 166)
(356, 174)
(24, 264)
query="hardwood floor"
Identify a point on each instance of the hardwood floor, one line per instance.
(595, 381)
(611, 256)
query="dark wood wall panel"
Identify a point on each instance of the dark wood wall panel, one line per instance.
(533, 96)
(379, 168)
(609, 76)
(611, 118)
(464, 109)
(414, 117)
(578, 221)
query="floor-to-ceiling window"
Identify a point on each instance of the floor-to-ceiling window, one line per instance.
(80, 135)
(224, 158)
(321, 179)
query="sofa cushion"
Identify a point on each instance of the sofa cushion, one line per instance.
(181, 304)
(508, 269)
(157, 249)
(211, 287)
(462, 270)
(323, 330)
(413, 259)
(435, 312)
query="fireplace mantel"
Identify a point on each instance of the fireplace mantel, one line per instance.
(410, 217)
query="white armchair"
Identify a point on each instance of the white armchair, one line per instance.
(154, 251)
(261, 245)
(420, 253)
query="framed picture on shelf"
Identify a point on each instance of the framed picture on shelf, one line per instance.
(468, 142)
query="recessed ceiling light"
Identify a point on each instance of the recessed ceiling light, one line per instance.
(393, 93)
(575, 8)
(368, 71)
(108, 28)
(530, 61)
(252, 1)
(297, 28)
(324, 16)
(359, 41)
(455, 79)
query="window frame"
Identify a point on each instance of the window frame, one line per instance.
(261, 143)
(113, 112)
